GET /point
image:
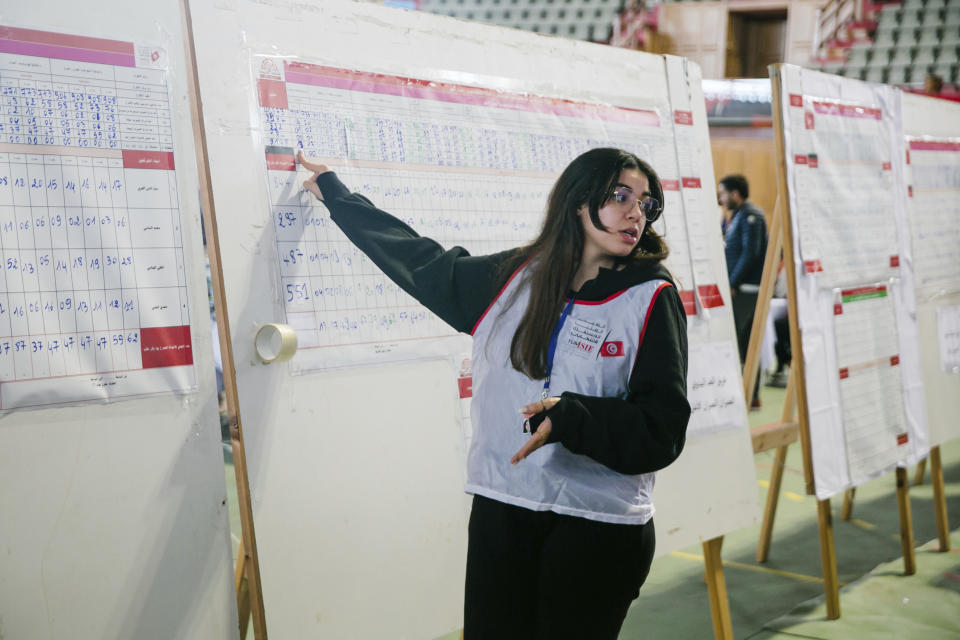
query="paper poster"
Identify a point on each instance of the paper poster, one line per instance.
(463, 165)
(844, 166)
(714, 389)
(871, 392)
(93, 298)
(948, 337)
(933, 173)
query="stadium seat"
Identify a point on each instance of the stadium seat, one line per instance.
(902, 57)
(875, 75)
(898, 75)
(909, 19)
(925, 56)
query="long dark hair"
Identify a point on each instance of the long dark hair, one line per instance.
(555, 255)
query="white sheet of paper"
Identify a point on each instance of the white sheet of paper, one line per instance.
(871, 392)
(948, 336)
(463, 165)
(714, 389)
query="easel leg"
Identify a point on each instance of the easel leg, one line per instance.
(847, 509)
(921, 469)
(828, 559)
(906, 523)
(939, 499)
(773, 497)
(242, 586)
(717, 588)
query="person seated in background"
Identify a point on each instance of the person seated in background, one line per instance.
(745, 248)
(932, 84)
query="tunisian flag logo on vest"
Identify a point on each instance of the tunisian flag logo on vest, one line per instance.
(611, 349)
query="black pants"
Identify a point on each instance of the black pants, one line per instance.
(538, 575)
(744, 307)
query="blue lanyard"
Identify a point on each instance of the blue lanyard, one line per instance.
(553, 345)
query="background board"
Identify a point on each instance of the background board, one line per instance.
(356, 473)
(929, 117)
(114, 516)
(845, 164)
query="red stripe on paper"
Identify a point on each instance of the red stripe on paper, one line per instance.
(846, 110)
(166, 347)
(277, 162)
(689, 302)
(812, 266)
(683, 117)
(318, 75)
(796, 100)
(273, 93)
(148, 160)
(902, 439)
(710, 296)
(690, 183)
(670, 185)
(844, 373)
(932, 145)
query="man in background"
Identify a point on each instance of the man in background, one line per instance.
(745, 248)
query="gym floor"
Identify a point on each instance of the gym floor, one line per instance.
(783, 597)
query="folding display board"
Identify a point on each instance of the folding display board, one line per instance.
(855, 257)
(112, 494)
(356, 447)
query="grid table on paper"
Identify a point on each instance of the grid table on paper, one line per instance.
(93, 293)
(462, 165)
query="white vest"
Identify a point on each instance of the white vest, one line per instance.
(595, 353)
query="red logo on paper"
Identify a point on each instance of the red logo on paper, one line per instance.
(796, 100)
(902, 439)
(894, 361)
(611, 349)
(844, 373)
(812, 160)
(690, 183)
(683, 117)
(670, 185)
(154, 56)
(812, 266)
(894, 261)
(799, 159)
(887, 166)
(838, 309)
(465, 384)
(808, 119)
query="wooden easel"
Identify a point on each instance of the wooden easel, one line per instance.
(247, 568)
(780, 435)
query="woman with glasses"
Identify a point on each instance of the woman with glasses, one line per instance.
(579, 392)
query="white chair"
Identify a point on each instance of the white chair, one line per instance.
(874, 75)
(925, 56)
(906, 37)
(902, 57)
(952, 16)
(889, 16)
(857, 57)
(879, 59)
(884, 40)
(951, 37)
(936, 4)
(898, 75)
(928, 37)
(910, 19)
(931, 18)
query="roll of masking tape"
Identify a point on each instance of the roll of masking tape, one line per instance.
(275, 342)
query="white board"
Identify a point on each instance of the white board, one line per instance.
(357, 472)
(845, 167)
(114, 514)
(932, 128)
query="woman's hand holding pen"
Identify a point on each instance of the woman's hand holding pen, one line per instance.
(317, 168)
(539, 437)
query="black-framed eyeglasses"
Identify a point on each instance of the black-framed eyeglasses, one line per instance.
(627, 199)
